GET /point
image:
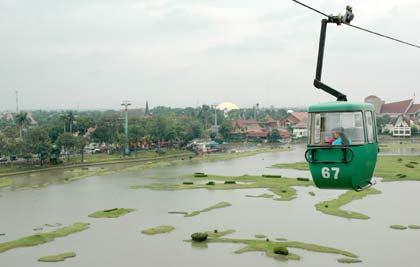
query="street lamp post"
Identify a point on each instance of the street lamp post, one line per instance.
(126, 103)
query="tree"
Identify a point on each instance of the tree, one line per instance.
(414, 129)
(66, 141)
(225, 129)
(80, 142)
(22, 120)
(37, 141)
(274, 136)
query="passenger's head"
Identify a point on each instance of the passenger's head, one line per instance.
(342, 136)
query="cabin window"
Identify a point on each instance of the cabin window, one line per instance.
(323, 125)
(369, 126)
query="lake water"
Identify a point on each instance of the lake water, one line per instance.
(118, 242)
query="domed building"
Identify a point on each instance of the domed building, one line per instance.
(227, 106)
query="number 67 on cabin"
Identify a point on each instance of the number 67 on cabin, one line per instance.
(342, 145)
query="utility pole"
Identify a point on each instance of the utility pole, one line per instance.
(215, 127)
(126, 103)
(17, 102)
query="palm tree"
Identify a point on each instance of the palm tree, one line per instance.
(70, 119)
(22, 120)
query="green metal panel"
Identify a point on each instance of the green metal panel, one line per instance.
(340, 106)
(329, 169)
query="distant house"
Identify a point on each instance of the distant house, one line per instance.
(405, 108)
(300, 129)
(297, 121)
(249, 128)
(401, 128)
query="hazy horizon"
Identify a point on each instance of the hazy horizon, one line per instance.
(91, 55)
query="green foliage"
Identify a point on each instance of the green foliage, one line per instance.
(271, 176)
(303, 179)
(414, 226)
(37, 141)
(200, 174)
(210, 183)
(158, 230)
(59, 257)
(199, 237)
(5, 182)
(274, 136)
(260, 236)
(112, 213)
(230, 182)
(187, 183)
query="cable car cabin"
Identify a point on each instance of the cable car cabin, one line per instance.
(342, 146)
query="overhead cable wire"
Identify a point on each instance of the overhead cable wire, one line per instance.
(359, 28)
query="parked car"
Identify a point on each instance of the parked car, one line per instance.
(13, 157)
(3, 159)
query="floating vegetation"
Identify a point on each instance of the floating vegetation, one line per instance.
(302, 179)
(270, 248)
(262, 196)
(400, 175)
(349, 260)
(158, 230)
(399, 159)
(409, 165)
(211, 183)
(414, 227)
(398, 227)
(271, 176)
(59, 257)
(187, 183)
(332, 207)
(178, 212)
(38, 229)
(260, 236)
(414, 162)
(111, 213)
(216, 233)
(312, 193)
(52, 225)
(230, 182)
(283, 188)
(200, 174)
(302, 166)
(281, 239)
(217, 206)
(42, 238)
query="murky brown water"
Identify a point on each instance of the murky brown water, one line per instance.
(118, 242)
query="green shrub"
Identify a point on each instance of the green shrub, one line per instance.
(199, 237)
(399, 159)
(188, 183)
(210, 183)
(414, 162)
(409, 166)
(312, 193)
(303, 179)
(281, 250)
(200, 174)
(271, 176)
(230, 182)
(414, 226)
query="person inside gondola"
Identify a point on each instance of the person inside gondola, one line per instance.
(334, 136)
(342, 138)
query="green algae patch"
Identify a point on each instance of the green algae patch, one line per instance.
(312, 194)
(349, 260)
(4, 182)
(158, 230)
(269, 246)
(262, 196)
(216, 206)
(178, 212)
(333, 207)
(259, 236)
(216, 233)
(59, 257)
(414, 227)
(398, 227)
(302, 166)
(283, 188)
(111, 213)
(42, 238)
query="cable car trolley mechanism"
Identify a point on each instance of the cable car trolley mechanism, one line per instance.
(342, 144)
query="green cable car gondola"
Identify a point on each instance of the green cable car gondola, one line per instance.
(342, 145)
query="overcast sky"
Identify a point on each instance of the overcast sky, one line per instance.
(93, 54)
